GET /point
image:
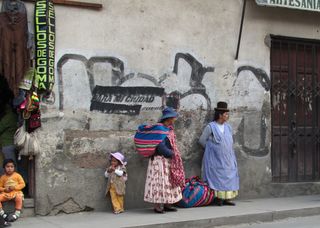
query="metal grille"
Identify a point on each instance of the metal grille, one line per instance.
(295, 100)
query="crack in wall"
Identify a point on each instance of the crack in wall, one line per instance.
(69, 206)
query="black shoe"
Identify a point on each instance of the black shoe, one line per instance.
(158, 210)
(6, 224)
(218, 202)
(171, 209)
(5, 216)
(12, 218)
(228, 203)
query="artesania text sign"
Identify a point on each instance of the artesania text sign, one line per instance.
(311, 5)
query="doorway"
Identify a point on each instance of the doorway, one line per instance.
(295, 101)
(8, 124)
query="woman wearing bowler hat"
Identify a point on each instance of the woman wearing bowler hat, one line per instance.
(220, 169)
(165, 174)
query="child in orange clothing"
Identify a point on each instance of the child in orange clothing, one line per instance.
(11, 184)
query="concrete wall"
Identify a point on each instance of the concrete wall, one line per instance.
(175, 52)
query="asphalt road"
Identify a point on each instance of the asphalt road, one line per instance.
(300, 222)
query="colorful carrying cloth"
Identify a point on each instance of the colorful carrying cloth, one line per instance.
(148, 137)
(177, 176)
(196, 193)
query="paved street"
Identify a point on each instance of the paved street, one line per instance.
(301, 222)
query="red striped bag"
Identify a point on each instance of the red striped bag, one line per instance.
(196, 193)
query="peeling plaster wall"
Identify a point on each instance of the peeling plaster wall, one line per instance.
(117, 67)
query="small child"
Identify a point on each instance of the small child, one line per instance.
(117, 177)
(11, 184)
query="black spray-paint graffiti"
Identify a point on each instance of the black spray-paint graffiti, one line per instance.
(196, 87)
(198, 70)
(260, 74)
(265, 82)
(118, 99)
(118, 78)
(110, 99)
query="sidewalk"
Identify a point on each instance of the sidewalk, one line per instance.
(246, 211)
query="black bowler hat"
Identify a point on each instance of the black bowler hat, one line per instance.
(222, 106)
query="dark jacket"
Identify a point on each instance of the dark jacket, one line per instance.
(164, 149)
(8, 127)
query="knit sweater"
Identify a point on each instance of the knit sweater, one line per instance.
(14, 180)
(119, 181)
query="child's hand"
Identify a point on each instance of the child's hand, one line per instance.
(111, 169)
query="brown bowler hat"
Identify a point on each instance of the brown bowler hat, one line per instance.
(222, 106)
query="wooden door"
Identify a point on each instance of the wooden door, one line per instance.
(295, 99)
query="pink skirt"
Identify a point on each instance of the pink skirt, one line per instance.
(158, 188)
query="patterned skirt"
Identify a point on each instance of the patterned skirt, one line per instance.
(158, 188)
(226, 195)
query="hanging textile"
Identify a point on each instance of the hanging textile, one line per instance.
(13, 6)
(14, 53)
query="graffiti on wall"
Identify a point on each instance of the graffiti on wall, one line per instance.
(123, 94)
(122, 100)
(260, 74)
(119, 98)
(261, 115)
(198, 70)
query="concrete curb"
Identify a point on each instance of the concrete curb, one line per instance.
(246, 211)
(238, 219)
